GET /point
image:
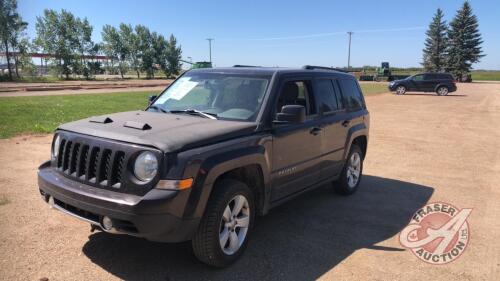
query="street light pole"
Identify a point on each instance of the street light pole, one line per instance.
(210, 48)
(349, 52)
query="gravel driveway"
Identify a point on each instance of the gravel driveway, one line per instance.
(422, 148)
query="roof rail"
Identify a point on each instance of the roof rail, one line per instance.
(242, 65)
(324, 68)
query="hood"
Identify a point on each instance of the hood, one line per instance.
(165, 131)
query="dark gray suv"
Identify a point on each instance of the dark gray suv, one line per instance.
(440, 83)
(215, 149)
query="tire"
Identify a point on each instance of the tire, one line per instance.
(442, 91)
(400, 90)
(344, 185)
(206, 242)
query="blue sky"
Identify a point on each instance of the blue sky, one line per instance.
(285, 33)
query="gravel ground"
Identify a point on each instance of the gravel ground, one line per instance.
(423, 148)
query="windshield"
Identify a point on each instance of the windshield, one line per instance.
(224, 95)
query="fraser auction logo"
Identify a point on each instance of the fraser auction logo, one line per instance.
(438, 233)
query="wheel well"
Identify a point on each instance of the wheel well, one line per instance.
(362, 142)
(252, 176)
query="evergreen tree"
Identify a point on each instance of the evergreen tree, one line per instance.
(434, 57)
(464, 42)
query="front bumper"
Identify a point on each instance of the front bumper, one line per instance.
(156, 216)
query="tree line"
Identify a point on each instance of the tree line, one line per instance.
(455, 47)
(68, 39)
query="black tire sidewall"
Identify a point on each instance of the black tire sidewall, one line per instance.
(224, 191)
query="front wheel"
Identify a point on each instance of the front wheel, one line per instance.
(224, 230)
(400, 90)
(442, 91)
(350, 177)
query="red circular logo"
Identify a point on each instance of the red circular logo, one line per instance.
(438, 233)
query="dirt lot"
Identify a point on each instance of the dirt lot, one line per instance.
(422, 148)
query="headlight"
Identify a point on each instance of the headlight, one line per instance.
(55, 147)
(146, 166)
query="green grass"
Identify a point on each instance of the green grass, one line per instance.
(42, 114)
(486, 76)
(374, 88)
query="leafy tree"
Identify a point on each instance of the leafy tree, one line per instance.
(22, 58)
(11, 28)
(159, 50)
(173, 56)
(115, 47)
(146, 52)
(434, 58)
(132, 43)
(66, 37)
(464, 42)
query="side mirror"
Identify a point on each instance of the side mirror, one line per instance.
(291, 114)
(151, 99)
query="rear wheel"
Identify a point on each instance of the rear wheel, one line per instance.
(351, 174)
(442, 91)
(400, 90)
(224, 230)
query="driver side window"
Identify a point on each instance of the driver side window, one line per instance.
(297, 93)
(418, 78)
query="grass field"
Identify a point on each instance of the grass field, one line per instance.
(486, 76)
(42, 114)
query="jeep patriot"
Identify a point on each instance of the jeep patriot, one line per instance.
(215, 149)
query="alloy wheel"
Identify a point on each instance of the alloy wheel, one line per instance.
(234, 224)
(353, 170)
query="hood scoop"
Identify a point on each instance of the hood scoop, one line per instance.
(101, 119)
(137, 125)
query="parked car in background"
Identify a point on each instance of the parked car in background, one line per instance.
(440, 83)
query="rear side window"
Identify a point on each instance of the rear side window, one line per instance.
(432, 77)
(325, 96)
(352, 97)
(445, 76)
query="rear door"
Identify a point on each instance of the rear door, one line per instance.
(297, 148)
(430, 82)
(334, 121)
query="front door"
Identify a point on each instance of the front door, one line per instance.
(417, 83)
(296, 147)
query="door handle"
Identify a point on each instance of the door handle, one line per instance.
(346, 123)
(315, 131)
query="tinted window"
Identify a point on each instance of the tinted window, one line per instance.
(445, 76)
(297, 92)
(325, 96)
(418, 77)
(432, 77)
(352, 97)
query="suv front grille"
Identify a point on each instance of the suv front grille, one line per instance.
(93, 164)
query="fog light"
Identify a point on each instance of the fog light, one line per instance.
(51, 202)
(107, 223)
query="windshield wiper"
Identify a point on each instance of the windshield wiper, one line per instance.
(196, 112)
(158, 108)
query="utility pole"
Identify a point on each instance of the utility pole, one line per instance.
(349, 52)
(210, 48)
